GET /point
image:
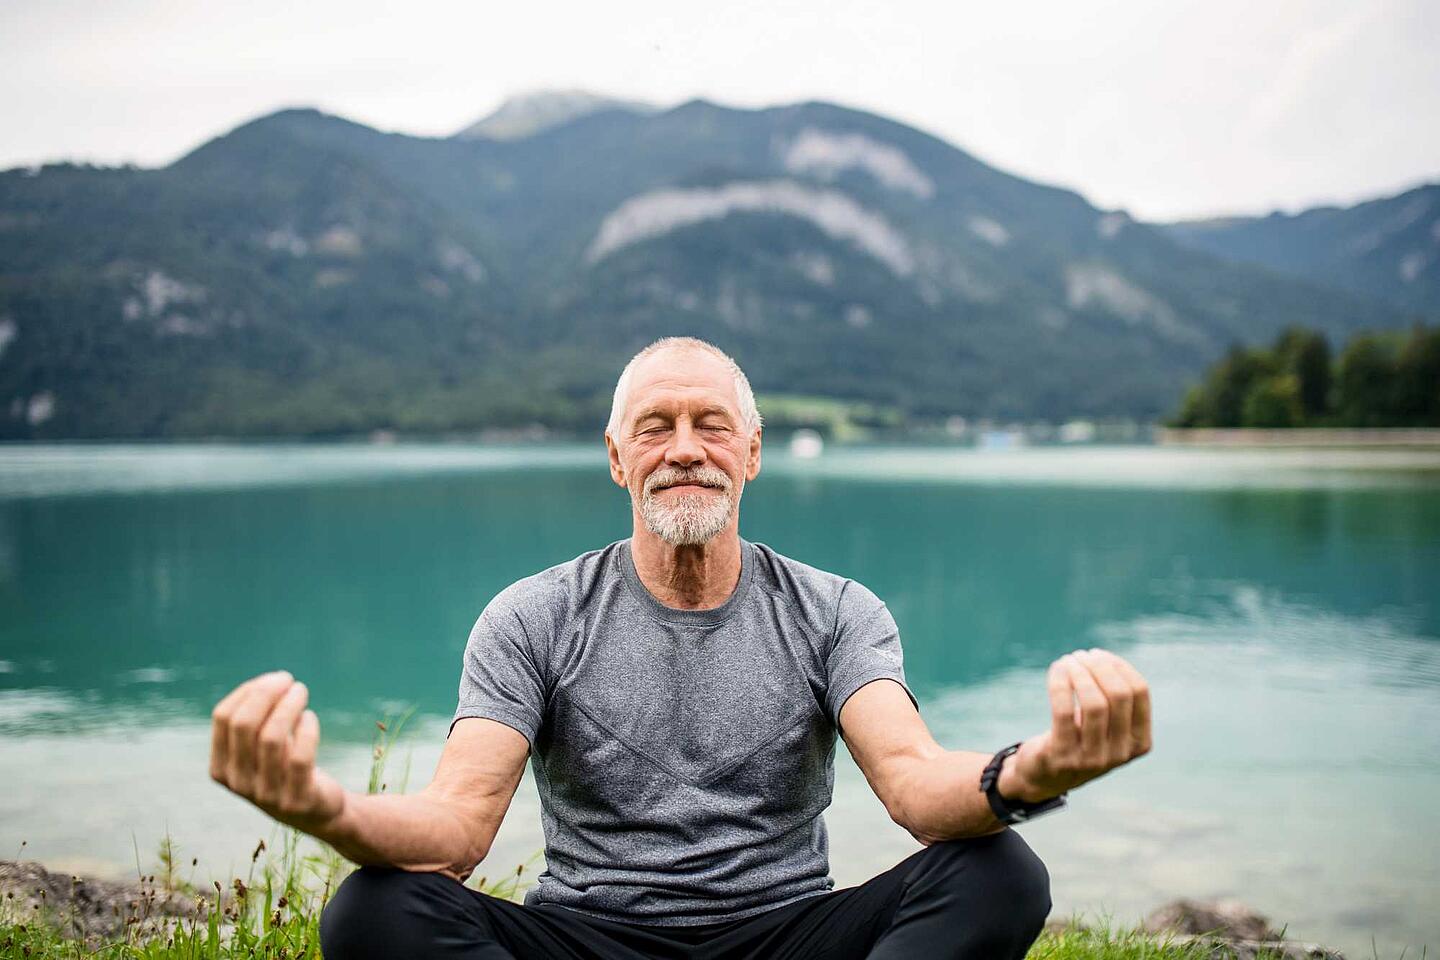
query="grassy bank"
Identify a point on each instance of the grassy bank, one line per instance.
(274, 913)
(302, 943)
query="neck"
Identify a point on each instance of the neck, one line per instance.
(696, 577)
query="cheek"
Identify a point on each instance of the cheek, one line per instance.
(731, 459)
(638, 470)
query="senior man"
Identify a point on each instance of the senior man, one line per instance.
(680, 693)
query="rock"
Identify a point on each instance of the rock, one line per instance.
(1229, 919)
(91, 909)
(1232, 930)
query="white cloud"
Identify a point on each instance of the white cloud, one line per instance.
(827, 153)
(1095, 285)
(658, 212)
(989, 230)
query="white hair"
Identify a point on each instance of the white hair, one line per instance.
(749, 413)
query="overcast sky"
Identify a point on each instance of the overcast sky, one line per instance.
(1167, 108)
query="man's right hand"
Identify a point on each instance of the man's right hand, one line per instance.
(262, 747)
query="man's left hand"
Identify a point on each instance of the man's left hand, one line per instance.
(1100, 719)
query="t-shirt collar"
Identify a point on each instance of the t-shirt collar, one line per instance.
(660, 611)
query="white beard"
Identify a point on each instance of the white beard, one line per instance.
(686, 519)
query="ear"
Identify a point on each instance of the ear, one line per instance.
(617, 469)
(752, 457)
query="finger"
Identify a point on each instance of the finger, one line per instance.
(301, 762)
(1139, 706)
(1062, 706)
(1116, 688)
(220, 728)
(220, 731)
(245, 721)
(1094, 709)
(274, 742)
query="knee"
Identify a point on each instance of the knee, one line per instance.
(379, 912)
(1000, 874)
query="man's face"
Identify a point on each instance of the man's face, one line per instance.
(683, 450)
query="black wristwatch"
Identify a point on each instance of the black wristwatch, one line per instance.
(1012, 811)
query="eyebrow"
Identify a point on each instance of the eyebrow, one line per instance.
(657, 412)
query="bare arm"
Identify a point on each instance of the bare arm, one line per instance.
(1100, 719)
(263, 749)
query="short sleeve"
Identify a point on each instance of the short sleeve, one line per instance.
(500, 677)
(865, 647)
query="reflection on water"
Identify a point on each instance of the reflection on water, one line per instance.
(1288, 627)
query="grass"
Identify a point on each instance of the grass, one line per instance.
(1107, 942)
(840, 420)
(273, 913)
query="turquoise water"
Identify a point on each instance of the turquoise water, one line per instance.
(1282, 604)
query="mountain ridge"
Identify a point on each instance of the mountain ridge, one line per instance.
(304, 273)
(1386, 247)
(526, 114)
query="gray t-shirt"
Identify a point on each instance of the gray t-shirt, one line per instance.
(682, 757)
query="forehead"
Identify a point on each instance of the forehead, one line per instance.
(681, 377)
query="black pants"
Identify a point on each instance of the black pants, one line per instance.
(980, 898)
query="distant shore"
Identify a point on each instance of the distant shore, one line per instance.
(1336, 437)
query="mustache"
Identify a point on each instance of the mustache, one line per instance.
(672, 476)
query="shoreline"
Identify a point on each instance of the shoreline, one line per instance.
(1407, 438)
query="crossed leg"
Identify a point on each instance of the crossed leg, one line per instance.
(979, 898)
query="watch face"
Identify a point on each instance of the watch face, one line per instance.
(1034, 810)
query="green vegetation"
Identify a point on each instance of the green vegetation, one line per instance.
(841, 420)
(1389, 379)
(273, 912)
(276, 916)
(1107, 941)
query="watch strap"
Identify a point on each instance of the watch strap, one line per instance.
(1011, 811)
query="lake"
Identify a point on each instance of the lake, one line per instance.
(1283, 605)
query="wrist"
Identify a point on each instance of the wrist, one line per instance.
(1013, 785)
(1018, 808)
(341, 828)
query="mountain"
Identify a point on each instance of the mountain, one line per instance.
(1388, 249)
(529, 114)
(307, 275)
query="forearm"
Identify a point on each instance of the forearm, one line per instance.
(940, 798)
(1100, 718)
(417, 832)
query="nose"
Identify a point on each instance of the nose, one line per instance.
(685, 448)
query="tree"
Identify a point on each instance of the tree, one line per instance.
(1274, 401)
(1385, 379)
(1230, 382)
(1194, 409)
(1417, 378)
(1365, 385)
(1306, 355)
